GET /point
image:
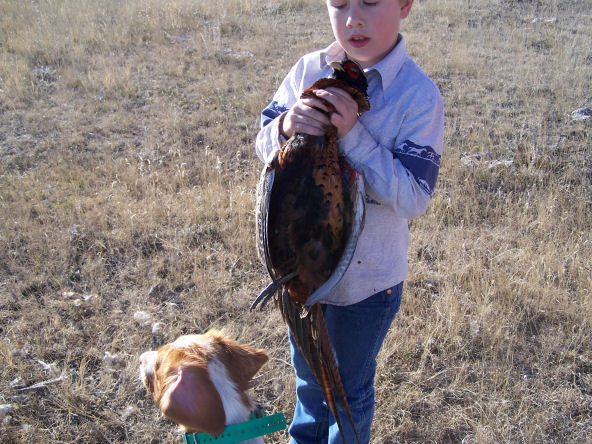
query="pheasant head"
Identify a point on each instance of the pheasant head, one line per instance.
(350, 73)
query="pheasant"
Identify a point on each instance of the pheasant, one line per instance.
(310, 210)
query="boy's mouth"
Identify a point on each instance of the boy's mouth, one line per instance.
(358, 41)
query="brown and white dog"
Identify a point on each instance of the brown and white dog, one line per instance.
(201, 382)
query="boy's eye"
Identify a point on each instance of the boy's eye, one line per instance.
(338, 4)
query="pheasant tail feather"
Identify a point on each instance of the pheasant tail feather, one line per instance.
(328, 358)
(312, 338)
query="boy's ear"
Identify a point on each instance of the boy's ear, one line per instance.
(406, 9)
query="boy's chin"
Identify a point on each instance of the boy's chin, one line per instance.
(364, 58)
(362, 61)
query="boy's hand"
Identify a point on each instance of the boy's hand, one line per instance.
(346, 109)
(306, 116)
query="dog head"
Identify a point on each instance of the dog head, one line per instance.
(201, 381)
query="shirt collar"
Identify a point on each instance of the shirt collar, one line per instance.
(388, 67)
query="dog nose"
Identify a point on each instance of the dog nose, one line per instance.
(147, 356)
(147, 360)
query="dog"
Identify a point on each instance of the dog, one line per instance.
(201, 382)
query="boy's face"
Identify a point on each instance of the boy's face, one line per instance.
(367, 29)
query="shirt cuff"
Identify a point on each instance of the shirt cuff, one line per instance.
(276, 137)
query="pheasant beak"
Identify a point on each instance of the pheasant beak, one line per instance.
(337, 66)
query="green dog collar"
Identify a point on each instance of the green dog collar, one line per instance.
(257, 425)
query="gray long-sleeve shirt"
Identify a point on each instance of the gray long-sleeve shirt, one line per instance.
(396, 145)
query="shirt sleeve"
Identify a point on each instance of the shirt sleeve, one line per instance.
(269, 139)
(404, 177)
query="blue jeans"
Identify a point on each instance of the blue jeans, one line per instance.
(357, 332)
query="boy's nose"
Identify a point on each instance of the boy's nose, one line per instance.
(354, 18)
(354, 22)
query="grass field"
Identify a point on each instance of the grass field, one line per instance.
(127, 178)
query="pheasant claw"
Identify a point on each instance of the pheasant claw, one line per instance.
(268, 292)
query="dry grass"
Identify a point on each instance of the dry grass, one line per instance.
(127, 180)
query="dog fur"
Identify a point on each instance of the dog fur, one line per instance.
(201, 382)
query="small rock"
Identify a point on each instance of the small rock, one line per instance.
(113, 360)
(129, 410)
(143, 318)
(500, 163)
(84, 299)
(22, 352)
(278, 386)
(472, 159)
(238, 54)
(157, 328)
(51, 370)
(581, 114)
(544, 20)
(5, 409)
(74, 232)
(474, 329)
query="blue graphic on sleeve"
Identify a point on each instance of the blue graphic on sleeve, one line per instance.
(422, 161)
(272, 110)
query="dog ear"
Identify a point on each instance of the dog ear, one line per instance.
(248, 360)
(254, 359)
(193, 402)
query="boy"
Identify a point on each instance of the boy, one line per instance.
(397, 147)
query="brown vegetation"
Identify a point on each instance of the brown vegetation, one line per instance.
(127, 177)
